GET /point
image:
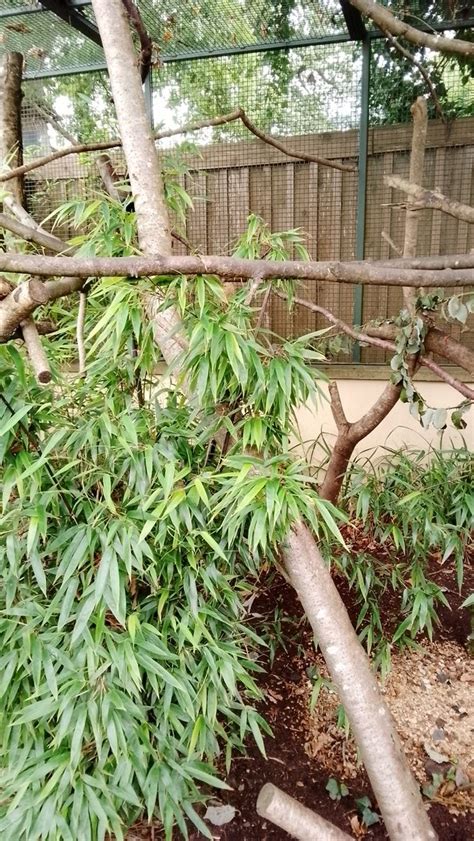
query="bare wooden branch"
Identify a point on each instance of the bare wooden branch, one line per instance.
(38, 359)
(337, 408)
(238, 114)
(301, 156)
(228, 268)
(389, 23)
(11, 147)
(411, 58)
(417, 159)
(146, 43)
(81, 317)
(108, 175)
(284, 811)
(19, 305)
(431, 199)
(44, 327)
(439, 263)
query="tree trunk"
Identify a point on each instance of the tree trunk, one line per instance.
(143, 166)
(11, 146)
(397, 793)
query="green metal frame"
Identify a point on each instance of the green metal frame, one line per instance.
(362, 184)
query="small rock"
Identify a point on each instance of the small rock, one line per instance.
(438, 735)
(220, 815)
(461, 778)
(442, 677)
(241, 787)
(435, 755)
(300, 784)
(440, 722)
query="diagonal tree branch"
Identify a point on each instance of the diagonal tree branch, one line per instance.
(411, 58)
(384, 19)
(431, 199)
(384, 344)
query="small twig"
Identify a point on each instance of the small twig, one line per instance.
(388, 239)
(411, 58)
(81, 317)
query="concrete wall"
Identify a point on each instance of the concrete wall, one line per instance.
(399, 429)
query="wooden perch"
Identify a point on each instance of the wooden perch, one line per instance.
(431, 199)
(228, 268)
(38, 359)
(11, 147)
(284, 811)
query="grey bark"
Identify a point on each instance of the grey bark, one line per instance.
(144, 171)
(397, 793)
(11, 146)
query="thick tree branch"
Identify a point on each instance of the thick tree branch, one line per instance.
(417, 159)
(387, 22)
(231, 268)
(238, 114)
(431, 199)
(436, 341)
(38, 235)
(11, 147)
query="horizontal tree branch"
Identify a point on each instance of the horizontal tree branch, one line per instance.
(367, 339)
(431, 199)
(388, 22)
(228, 268)
(238, 114)
(52, 243)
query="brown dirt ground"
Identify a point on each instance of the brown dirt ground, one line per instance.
(430, 694)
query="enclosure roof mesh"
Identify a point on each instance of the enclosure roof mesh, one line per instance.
(181, 29)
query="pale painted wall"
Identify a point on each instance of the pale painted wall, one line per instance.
(399, 430)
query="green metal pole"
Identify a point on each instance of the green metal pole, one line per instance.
(362, 185)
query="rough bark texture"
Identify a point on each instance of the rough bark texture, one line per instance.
(431, 199)
(276, 806)
(388, 22)
(144, 172)
(234, 268)
(19, 305)
(397, 793)
(11, 147)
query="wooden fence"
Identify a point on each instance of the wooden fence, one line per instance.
(228, 181)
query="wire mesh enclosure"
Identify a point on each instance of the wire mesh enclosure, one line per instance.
(301, 73)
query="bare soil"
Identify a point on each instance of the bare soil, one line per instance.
(429, 691)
